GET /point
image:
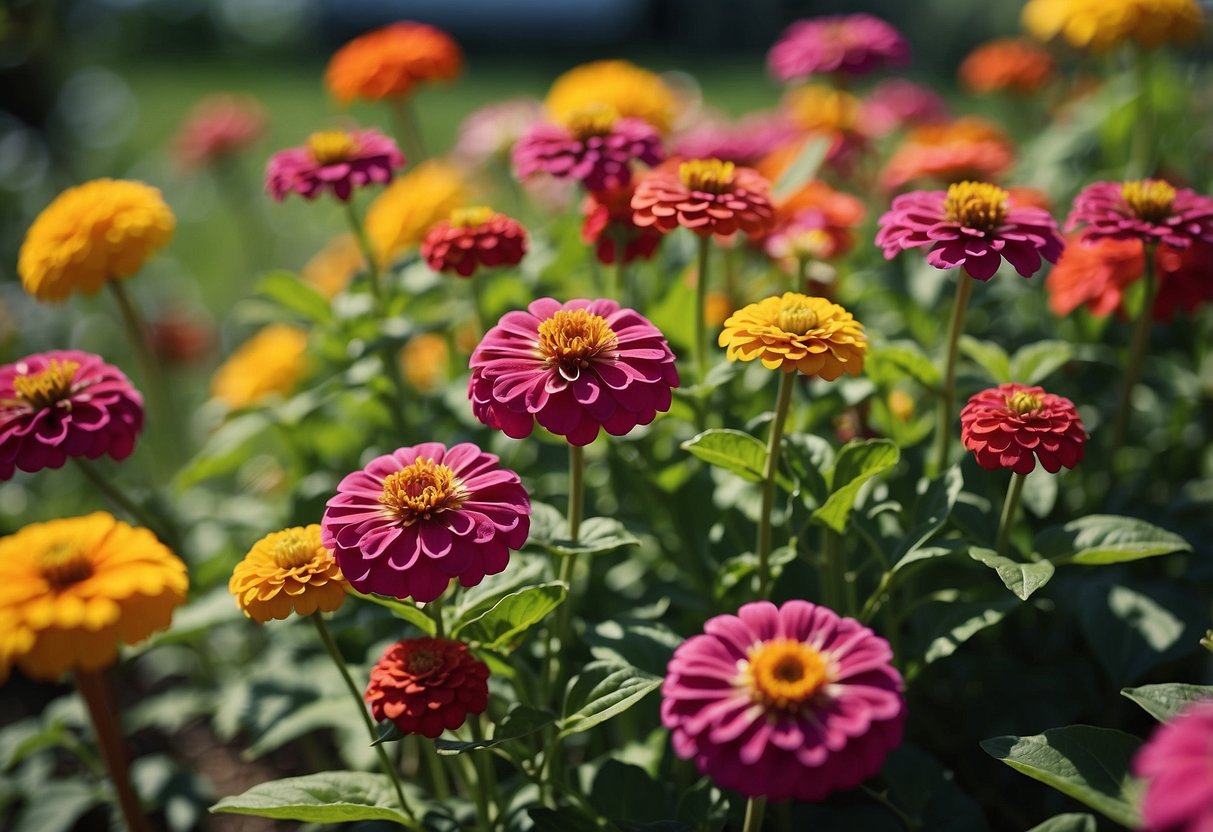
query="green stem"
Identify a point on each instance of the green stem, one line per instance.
(1141, 163)
(701, 310)
(437, 770)
(947, 397)
(368, 252)
(149, 366)
(434, 610)
(1009, 507)
(408, 130)
(124, 502)
(802, 275)
(876, 599)
(754, 808)
(834, 581)
(621, 270)
(1137, 355)
(95, 693)
(487, 785)
(390, 770)
(783, 404)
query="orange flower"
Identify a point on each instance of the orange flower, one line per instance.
(968, 148)
(815, 221)
(288, 571)
(389, 62)
(333, 267)
(272, 361)
(1007, 64)
(797, 333)
(707, 196)
(1095, 274)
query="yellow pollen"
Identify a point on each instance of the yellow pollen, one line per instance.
(293, 550)
(978, 205)
(1024, 402)
(331, 146)
(592, 120)
(709, 175)
(797, 317)
(1149, 199)
(471, 217)
(421, 490)
(63, 565)
(572, 339)
(52, 385)
(784, 674)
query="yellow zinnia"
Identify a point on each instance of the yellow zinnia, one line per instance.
(288, 571)
(399, 217)
(619, 86)
(72, 590)
(1101, 25)
(797, 333)
(102, 230)
(272, 361)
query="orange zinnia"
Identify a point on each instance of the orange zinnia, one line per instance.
(968, 148)
(1007, 64)
(288, 571)
(389, 62)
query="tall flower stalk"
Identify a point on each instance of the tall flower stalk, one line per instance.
(947, 392)
(783, 404)
(1138, 346)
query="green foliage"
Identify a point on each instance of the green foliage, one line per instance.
(325, 797)
(1164, 702)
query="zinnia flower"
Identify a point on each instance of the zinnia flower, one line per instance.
(609, 220)
(784, 702)
(851, 44)
(594, 147)
(491, 132)
(65, 403)
(411, 521)
(333, 267)
(1178, 770)
(744, 142)
(339, 160)
(1102, 25)
(970, 225)
(399, 217)
(820, 110)
(796, 333)
(625, 88)
(471, 238)
(707, 196)
(968, 148)
(72, 590)
(1094, 274)
(288, 571)
(390, 62)
(1006, 64)
(102, 230)
(898, 103)
(1149, 210)
(1011, 426)
(427, 686)
(1183, 279)
(218, 127)
(272, 361)
(815, 222)
(573, 368)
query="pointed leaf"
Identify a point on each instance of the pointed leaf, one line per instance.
(803, 168)
(294, 294)
(501, 626)
(1021, 578)
(325, 797)
(1104, 538)
(1070, 822)
(1036, 362)
(1164, 702)
(520, 721)
(603, 690)
(989, 356)
(734, 451)
(597, 536)
(857, 463)
(890, 362)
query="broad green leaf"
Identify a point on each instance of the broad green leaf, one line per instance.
(1040, 491)
(889, 362)
(989, 356)
(308, 717)
(286, 289)
(644, 644)
(1133, 629)
(225, 450)
(520, 721)
(1036, 362)
(547, 523)
(603, 690)
(809, 458)
(932, 509)
(526, 569)
(1070, 822)
(1089, 764)
(732, 450)
(952, 624)
(1165, 701)
(597, 536)
(325, 797)
(504, 623)
(1021, 578)
(404, 610)
(943, 549)
(857, 463)
(1104, 538)
(802, 170)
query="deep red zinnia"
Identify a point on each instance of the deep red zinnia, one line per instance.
(427, 686)
(471, 238)
(707, 196)
(608, 221)
(1012, 425)
(335, 160)
(1149, 210)
(596, 148)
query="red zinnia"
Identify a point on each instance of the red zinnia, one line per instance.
(608, 217)
(1094, 274)
(427, 685)
(1011, 426)
(1184, 280)
(1149, 210)
(471, 238)
(707, 196)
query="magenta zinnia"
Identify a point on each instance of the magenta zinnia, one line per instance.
(1149, 210)
(1011, 426)
(971, 225)
(784, 702)
(337, 160)
(574, 368)
(595, 147)
(411, 521)
(1178, 769)
(851, 44)
(61, 404)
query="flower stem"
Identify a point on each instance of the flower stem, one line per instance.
(754, 808)
(149, 366)
(701, 307)
(802, 275)
(434, 610)
(478, 781)
(1137, 356)
(484, 770)
(1141, 163)
(95, 692)
(834, 579)
(783, 404)
(947, 397)
(390, 770)
(368, 252)
(1009, 507)
(408, 130)
(124, 502)
(568, 564)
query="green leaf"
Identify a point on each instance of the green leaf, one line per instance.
(857, 463)
(1036, 362)
(943, 549)
(1089, 764)
(325, 797)
(286, 289)
(598, 535)
(932, 509)
(1021, 578)
(952, 624)
(602, 690)
(802, 170)
(519, 721)
(1165, 701)
(809, 458)
(890, 362)
(1070, 822)
(732, 450)
(404, 610)
(1104, 538)
(644, 644)
(1040, 490)
(502, 625)
(225, 450)
(989, 356)
(56, 806)
(1133, 629)
(308, 717)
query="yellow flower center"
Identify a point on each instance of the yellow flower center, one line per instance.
(710, 175)
(592, 120)
(421, 490)
(422, 661)
(978, 205)
(44, 389)
(572, 338)
(292, 550)
(328, 147)
(1149, 199)
(796, 317)
(63, 564)
(471, 217)
(1024, 402)
(784, 674)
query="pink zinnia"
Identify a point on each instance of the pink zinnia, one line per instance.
(490, 132)
(217, 127)
(745, 142)
(898, 103)
(853, 44)
(971, 225)
(338, 160)
(574, 368)
(1149, 210)
(784, 702)
(596, 148)
(413, 520)
(1177, 765)
(65, 403)
(1011, 426)
(471, 238)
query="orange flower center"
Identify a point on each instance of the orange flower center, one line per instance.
(709, 175)
(328, 147)
(572, 338)
(796, 316)
(471, 217)
(1149, 199)
(421, 490)
(63, 564)
(784, 674)
(977, 205)
(1023, 402)
(293, 550)
(592, 120)
(52, 385)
